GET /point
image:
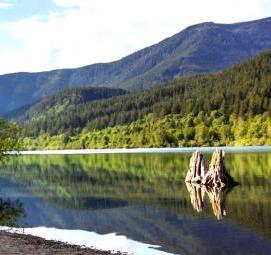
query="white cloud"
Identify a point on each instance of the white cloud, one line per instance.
(6, 4)
(89, 31)
(70, 3)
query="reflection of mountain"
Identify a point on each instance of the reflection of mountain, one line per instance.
(176, 231)
(142, 197)
(67, 181)
(90, 203)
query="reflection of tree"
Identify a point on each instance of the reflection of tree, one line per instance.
(217, 197)
(10, 212)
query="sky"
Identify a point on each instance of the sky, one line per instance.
(39, 35)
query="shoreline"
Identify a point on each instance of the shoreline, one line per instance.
(110, 243)
(15, 243)
(143, 150)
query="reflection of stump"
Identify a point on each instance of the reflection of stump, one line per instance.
(196, 196)
(217, 175)
(217, 198)
(196, 168)
(215, 182)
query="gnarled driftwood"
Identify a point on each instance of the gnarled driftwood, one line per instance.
(197, 168)
(216, 176)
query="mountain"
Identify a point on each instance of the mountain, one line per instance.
(200, 48)
(242, 90)
(62, 101)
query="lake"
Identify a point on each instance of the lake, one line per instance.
(138, 202)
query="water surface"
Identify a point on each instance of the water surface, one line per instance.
(142, 197)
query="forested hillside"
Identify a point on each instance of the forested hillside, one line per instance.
(243, 90)
(205, 109)
(61, 102)
(205, 47)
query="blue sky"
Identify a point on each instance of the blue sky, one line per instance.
(39, 35)
(19, 9)
(15, 10)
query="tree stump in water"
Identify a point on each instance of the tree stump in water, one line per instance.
(216, 176)
(197, 168)
(216, 182)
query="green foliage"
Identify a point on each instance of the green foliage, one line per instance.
(170, 131)
(62, 101)
(243, 90)
(9, 138)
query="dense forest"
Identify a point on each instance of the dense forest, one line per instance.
(62, 101)
(170, 131)
(240, 95)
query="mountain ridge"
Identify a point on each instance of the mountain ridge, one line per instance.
(243, 90)
(200, 48)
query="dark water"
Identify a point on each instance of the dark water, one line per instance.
(143, 197)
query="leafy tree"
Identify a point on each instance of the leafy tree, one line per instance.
(255, 130)
(9, 138)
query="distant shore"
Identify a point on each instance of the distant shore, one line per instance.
(145, 150)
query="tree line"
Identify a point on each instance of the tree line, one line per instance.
(243, 90)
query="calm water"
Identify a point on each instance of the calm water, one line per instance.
(142, 197)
